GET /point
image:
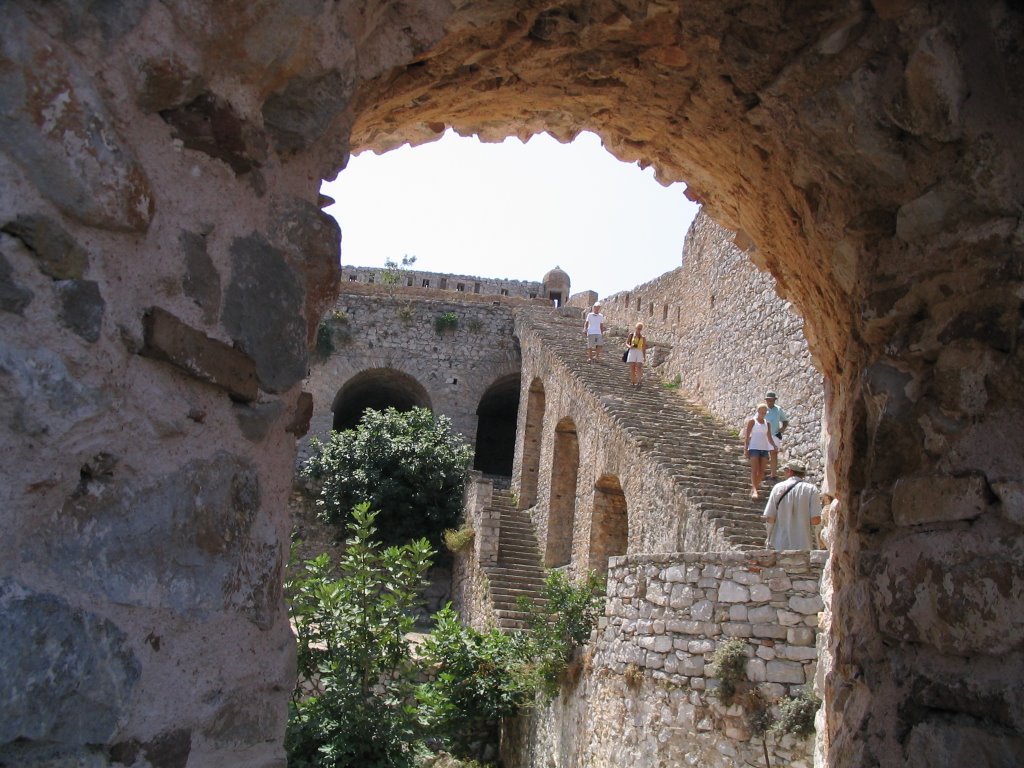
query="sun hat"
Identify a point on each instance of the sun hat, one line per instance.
(796, 467)
(770, 394)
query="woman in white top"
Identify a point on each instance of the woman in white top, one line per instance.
(758, 445)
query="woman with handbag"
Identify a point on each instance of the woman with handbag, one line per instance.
(636, 355)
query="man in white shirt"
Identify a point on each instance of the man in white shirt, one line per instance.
(793, 507)
(593, 328)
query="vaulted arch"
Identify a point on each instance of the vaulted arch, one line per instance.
(565, 467)
(532, 433)
(377, 388)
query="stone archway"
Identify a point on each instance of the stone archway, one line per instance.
(532, 433)
(164, 263)
(609, 525)
(377, 388)
(565, 467)
(496, 427)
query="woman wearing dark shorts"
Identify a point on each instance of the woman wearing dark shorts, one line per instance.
(758, 445)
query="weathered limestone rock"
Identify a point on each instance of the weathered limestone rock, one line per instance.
(168, 339)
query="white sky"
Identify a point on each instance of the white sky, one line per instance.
(512, 210)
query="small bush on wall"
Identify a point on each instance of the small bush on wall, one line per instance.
(446, 321)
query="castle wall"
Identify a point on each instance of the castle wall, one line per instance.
(443, 281)
(730, 338)
(372, 328)
(643, 693)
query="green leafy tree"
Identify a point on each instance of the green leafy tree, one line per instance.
(409, 465)
(394, 272)
(354, 704)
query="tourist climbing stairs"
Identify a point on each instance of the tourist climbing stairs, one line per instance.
(702, 454)
(518, 572)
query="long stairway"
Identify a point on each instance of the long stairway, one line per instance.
(703, 456)
(518, 571)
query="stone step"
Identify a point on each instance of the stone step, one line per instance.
(703, 457)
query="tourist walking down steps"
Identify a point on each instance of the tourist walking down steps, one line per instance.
(757, 444)
(792, 510)
(593, 329)
(636, 355)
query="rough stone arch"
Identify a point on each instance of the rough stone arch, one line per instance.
(163, 250)
(533, 431)
(609, 524)
(377, 388)
(565, 467)
(496, 427)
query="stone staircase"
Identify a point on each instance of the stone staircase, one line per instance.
(702, 454)
(518, 571)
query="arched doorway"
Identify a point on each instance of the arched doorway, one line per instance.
(376, 388)
(496, 427)
(609, 526)
(867, 155)
(532, 433)
(565, 467)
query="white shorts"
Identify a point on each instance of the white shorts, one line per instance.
(635, 355)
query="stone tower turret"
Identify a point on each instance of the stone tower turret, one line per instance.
(556, 286)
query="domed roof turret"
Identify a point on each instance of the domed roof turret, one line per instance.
(556, 281)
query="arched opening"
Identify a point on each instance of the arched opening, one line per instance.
(496, 427)
(867, 155)
(532, 432)
(609, 526)
(565, 466)
(376, 388)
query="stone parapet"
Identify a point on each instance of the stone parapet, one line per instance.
(444, 282)
(643, 693)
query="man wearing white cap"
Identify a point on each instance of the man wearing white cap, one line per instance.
(792, 509)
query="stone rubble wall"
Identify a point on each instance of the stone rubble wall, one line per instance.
(729, 338)
(469, 582)
(378, 329)
(642, 693)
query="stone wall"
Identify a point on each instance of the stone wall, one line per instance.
(729, 337)
(643, 694)
(378, 330)
(469, 583)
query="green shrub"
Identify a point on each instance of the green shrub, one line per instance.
(324, 346)
(796, 714)
(729, 665)
(474, 684)
(409, 465)
(458, 540)
(446, 321)
(569, 615)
